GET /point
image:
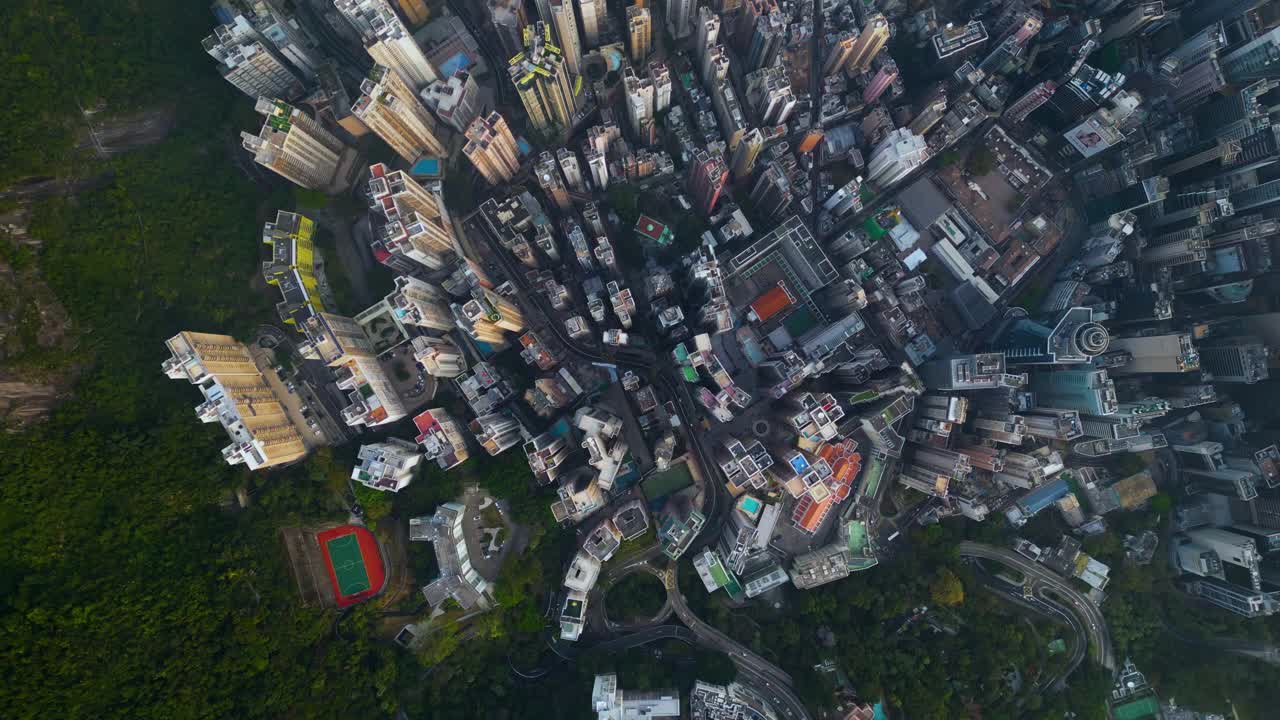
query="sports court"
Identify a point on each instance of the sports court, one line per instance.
(1143, 708)
(348, 566)
(354, 563)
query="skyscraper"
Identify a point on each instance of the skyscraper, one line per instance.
(542, 81)
(566, 26)
(770, 95)
(1027, 27)
(708, 31)
(745, 154)
(417, 224)
(762, 30)
(1141, 16)
(236, 396)
(639, 32)
(931, 112)
(1001, 56)
(707, 179)
(984, 371)
(340, 343)
(394, 113)
(1021, 108)
(490, 307)
(455, 101)
(1236, 598)
(1255, 60)
(387, 465)
(496, 432)
(901, 152)
(592, 13)
(1052, 423)
(549, 179)
(439, 356)
(388, 41)
(1197, 82)
(292, 266)
(598, 165)
(771, 194)
(1171, 353)
(1087, 390)
(571, 170)
(715, 66)
(441, 438)
(1175, 248)
(421, 304)
(492, 149)
(660, 76)
(1072, 336)
(272, 20)
(839, 52)
(883, 79)
(680, 16)
(509, 21)
(293, 145)
(872, 38)
(639, 98)
(1240, 359)
(1199, 47)
(250, 64)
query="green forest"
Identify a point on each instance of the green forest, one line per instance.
(127, 589)
(954, 661)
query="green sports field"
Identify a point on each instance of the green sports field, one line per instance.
(348, 565)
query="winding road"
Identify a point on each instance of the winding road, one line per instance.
(765, 678)
(601, 611)
(1045, 586)
(1050, 608)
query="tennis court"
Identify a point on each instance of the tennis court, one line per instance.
(348, 565)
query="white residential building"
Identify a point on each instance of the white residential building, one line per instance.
(455, 101)
(613, 703)
(901, 152)
(387, 40)
(387, 466)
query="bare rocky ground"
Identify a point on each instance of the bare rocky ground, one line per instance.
(37, 337)
(36, 334)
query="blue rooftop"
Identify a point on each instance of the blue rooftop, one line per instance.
(798, 463)
(560, 429)
(426, 167)
(1044, 496)
(458, 62)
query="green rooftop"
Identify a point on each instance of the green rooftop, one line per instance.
(857, 532)
(718, 573)
(722, 577)
(873, 229)
(800, 322)
(1140, 709)
(871, 481)
(865, 396)
(667, 482)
